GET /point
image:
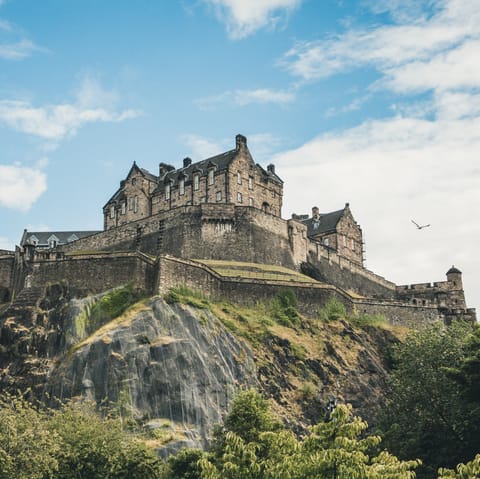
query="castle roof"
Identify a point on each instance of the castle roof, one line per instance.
(454, 270)
(42, 238)
(327, 223)
(219, 162)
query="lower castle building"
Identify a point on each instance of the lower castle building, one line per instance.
(206, 225)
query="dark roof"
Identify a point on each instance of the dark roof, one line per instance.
(328, 223)
(454, 270)
(62, 236)
(220, 162)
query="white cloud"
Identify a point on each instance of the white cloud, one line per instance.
(21, 186)
(247, 97)
(17, 50)
(392, 171)
(201, 147)
(432, 52)
(55, 122)
(244, 17)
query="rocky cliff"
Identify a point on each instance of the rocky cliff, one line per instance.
(176, 364)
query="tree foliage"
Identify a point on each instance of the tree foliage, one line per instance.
(260, 448)
(432, 411)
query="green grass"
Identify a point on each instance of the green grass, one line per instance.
(238, 269)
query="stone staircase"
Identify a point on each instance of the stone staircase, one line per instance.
(25, 302)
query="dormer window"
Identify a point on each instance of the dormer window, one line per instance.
(239, 178)
(134, 181)
(196, 182)
(167, 191)
(211, 177)
(250, 182)
(181, 186)
(112, 211)
(124, 207)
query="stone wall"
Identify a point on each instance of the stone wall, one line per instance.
(311, 297)
(176, 272)
(94, 273)
(325, 265)
(7, 261)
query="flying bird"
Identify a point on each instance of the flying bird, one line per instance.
(418, 226)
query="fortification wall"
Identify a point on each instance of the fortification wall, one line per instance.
(399, 313)
(203, 231)
(326, 266)
(94, 273)
(7, 261)
(311, 296)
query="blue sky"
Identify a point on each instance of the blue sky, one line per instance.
(373, 102)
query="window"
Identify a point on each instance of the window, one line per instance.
(250, 201)
(196, 182)
(239, 178)
(239, 198)
(134, 181)
(353, 245)
(130, 203)
(211, 178)
(124, 207)
(219, 196)
(135, 204)
(203, 199)
(112, 211)
(345, 241)
(182, 186)
(167, 191)
(52, 243)
(250, 182)
(326, 242)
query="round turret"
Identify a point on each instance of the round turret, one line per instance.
(454, 276)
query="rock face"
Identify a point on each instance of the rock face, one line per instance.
(174, 364)
(160, 361)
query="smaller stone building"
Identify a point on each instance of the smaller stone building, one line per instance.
(231, 178)
(337, 231)
(52, 239)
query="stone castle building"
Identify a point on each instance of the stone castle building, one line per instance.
(216, 225)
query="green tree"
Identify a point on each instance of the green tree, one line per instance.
(471, 470)
(28, 449)
(92, 447)
(426, 415)
(254, 445)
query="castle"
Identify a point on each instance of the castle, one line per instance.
(216, 225)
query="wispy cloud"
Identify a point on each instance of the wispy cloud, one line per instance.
(17, 50)
(247, 97)
(201, 147)
(430, 52)
(244, 17)
(55, 122)
(21, 186)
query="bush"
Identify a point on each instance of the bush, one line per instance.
(333, 310)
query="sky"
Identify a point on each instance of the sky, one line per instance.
(371, 102)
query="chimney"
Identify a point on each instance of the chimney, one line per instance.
(271, 168)
(315, 212)
(164, 168)
(187, 162)
(240, 142)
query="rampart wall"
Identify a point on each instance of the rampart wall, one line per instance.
(7, 262)
(94, 273)
(325, 265)
(311, 296)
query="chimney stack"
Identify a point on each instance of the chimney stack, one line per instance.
(271, 168)
(187, 162)
(240, 142)
(315, 212)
